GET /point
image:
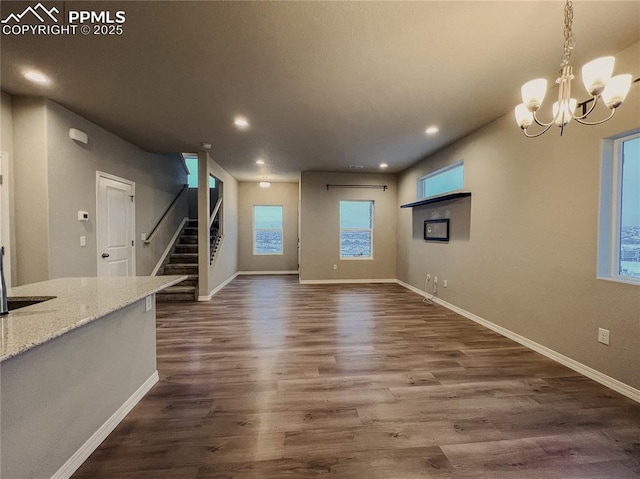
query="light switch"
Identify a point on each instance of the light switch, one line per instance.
(83, 241)
(149, 303)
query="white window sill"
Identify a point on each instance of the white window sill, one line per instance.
(620, 279)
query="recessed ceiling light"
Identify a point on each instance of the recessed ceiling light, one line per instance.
(383, 165)
(264, 184)
(37, 77)
(431, 130)
(241, 122)
(259, 161)
(205, 146)
(356, 167)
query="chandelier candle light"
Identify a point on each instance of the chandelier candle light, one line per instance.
(597, 79)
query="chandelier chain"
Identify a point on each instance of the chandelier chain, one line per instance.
(569, 42)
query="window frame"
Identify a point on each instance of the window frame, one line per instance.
(370, 230)
(420, 189)
(255, 230)
(610, 221)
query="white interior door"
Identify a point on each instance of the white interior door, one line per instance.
(115, 226)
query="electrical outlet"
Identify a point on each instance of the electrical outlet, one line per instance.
(149, 303)
(435, 280)
(335, 266)
(444, 283)
(83, 241)
(603, 336)
(428, 277)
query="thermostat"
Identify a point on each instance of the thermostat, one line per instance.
(83, 216)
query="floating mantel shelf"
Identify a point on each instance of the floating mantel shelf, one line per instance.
(374, 187)
(437, 199)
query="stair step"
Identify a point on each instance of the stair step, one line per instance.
(188, 240)
(178, 292)
(179, 288)
(187, 248)
(193, 224)
(175, 297)
(192, 280)
(184, 258)
(177, 268)
(191, 231)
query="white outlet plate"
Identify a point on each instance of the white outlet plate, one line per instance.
(83, 241)
(335, 266)
(603, 336)
(149, 303)
(444, 283)
(428, 277)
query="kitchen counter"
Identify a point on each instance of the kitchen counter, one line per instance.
(78, 301)
(73, 367)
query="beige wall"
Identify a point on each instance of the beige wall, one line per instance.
(8, 200)
(55, 177)
(320, 227)
(523, 248)
(225, 264)
(31, 249)
(284, 194)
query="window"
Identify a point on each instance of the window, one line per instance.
(356, 229)
(267, 229)
(619, 235)
(192, 165)
(444, 180)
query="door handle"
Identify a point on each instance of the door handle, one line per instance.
(105, 255)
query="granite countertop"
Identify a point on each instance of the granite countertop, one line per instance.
(77, 301)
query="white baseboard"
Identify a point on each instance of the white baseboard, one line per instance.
(168, 249)
(81, 455)
(218, 288)
(346, 281)
(591, 373)
(255, 273)
(415, 290)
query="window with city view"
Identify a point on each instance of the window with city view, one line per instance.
(629, 207)
(356, 229)
(619, 222)
(267, 229)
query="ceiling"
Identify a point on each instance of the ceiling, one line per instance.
(324, 85)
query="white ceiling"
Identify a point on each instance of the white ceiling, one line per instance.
(324, 84)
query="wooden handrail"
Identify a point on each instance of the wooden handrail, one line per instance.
(164, 215)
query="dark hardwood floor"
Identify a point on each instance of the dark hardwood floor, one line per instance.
(275, 379)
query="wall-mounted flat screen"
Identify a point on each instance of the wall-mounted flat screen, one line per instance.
(436, 230)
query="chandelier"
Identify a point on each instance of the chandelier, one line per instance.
(596, 77)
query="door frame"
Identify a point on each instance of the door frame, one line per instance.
(5, 216)
(109, 176)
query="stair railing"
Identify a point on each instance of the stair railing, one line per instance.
(151, 235)
(215, 233)
(215, 212)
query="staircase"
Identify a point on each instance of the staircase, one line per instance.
(183, 260)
